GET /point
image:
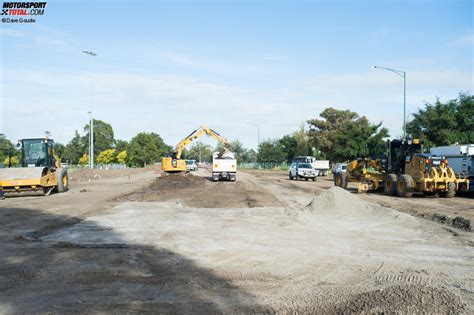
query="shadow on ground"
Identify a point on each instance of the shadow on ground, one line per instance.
(50, 277)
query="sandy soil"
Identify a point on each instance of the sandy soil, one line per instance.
(198, 190)
(139, 245)
(454, 212)
(82, 175)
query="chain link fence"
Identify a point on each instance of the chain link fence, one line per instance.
(264, 166)
(113, 166)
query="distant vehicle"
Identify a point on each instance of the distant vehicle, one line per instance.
(321, 166)
(302, 170)
(460, 158)
(203, 165)
(337, 168)
(191, 165)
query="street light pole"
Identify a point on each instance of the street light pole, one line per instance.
(403, 74)
(91, 140)
(91, 121)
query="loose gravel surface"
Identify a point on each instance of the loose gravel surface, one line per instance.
(172, 245)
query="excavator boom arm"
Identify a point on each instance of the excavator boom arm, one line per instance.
(196, 134)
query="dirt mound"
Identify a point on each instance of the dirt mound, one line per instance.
(339, 201)
(84, 175)
(201, 192)
(403, 299)
(177, 181)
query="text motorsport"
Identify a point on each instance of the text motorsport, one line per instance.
(17, 12)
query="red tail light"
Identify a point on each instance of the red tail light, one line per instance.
(428, 161)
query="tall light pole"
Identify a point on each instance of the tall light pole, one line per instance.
(91, 141)
(403, 74)
(91, 121)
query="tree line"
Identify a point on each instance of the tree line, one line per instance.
(344, 135)
(336, 135)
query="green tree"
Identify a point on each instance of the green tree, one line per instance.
(106, 156)
(74, 150)
(103, 136)
(344, 135)
(146, 148)
(271, 151)
(59, 149)
(250, 156)
(121, 145)
(288, 144)
(200, 152)
(303, 146)
(445, 123)
(7, 149)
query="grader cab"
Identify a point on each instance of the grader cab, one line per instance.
(411, 171)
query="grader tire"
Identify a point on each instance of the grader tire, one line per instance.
(63, 180)
(450, 192)
(341, 180)
(390, 184)
(405, 186)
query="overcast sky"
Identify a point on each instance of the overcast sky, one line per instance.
(170, 66)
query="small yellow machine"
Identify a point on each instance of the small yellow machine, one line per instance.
(174, 163)
(40, 173)
(368, 173)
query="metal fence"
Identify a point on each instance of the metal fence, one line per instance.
(264, 166)
(113, 166)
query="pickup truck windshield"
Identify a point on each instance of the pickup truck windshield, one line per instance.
(304, 165)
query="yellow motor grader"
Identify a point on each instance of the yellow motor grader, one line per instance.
(403, 171)
(40, 170)
(409, 170)
(368, 173)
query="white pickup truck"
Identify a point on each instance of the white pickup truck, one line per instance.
(320, 166)
(224, 166)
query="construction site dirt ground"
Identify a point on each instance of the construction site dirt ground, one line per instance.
(137, 243)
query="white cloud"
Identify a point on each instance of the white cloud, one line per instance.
(10, 32)
(464, 40)
(174, 105)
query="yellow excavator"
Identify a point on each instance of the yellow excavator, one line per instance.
(174, 163)
(40, 171)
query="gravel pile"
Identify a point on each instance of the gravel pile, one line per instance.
(339, 201)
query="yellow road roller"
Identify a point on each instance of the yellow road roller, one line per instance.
(40, 171)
